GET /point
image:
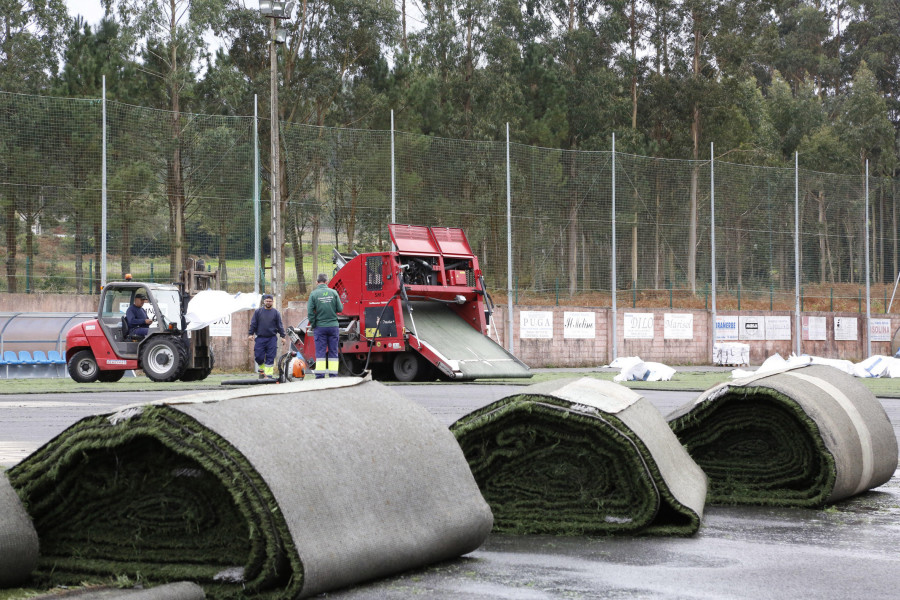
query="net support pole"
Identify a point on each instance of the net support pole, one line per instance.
(509, 264)
(797, 325)
(103, 196)
(868, 282)
(613, 266)
(712, 240)
(256, 249)
(393, 175)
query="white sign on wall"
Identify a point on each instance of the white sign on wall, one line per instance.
(778, 328)
(678, 326)
(536, 324)
(579, 325)
(845, 329)
(726, 328)
(638, 326)
(751, 328)
(221, 328)
(815, 328)
(880, 330)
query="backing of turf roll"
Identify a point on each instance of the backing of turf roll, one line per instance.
(181, 590)
(282, 491)
(581, 457)
(802, 437)
(18, 539)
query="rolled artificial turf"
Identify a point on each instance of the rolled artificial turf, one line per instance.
(802, 437)
(18, 539)
(281, 491)
(581, 456)
(181, 590)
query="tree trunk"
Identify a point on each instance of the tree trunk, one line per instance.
(634, 251)
(695, 172)
(297, 249)
(223, 252)
(573, 226)
(11, 230)
(79, 252)
(820, 197)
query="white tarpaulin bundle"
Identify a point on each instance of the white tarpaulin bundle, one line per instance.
(632, 368)
(874, 366)
(209, 306)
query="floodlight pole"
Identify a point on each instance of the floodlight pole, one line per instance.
(276, 182)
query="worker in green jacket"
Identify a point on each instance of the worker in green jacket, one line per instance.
(322, 310)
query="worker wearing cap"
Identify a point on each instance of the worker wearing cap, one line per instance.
(137, 318)
(322, 310)
(266, 326)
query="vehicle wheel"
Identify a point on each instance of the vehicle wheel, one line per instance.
(406, 366)
(163, 358)
(83, 367)
(111, 376)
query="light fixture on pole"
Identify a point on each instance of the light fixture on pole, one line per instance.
(275, 10)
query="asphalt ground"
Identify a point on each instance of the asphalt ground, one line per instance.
(851, 549)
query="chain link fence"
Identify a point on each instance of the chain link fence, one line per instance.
(181, 185)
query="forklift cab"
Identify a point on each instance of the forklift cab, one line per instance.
(162, 305)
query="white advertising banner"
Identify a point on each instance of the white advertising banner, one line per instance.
(778, 328)
(678, 326)
(536, 325)
(731, 353)
(726, 328)
(579, 325)
(815, 328)
(638, 326)
(845, 329)
(880, 330)
(751, 328)
(221, 328)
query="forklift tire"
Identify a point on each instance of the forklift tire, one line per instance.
(111, 376)
(163, 358)
(407, 366)
(83, 367)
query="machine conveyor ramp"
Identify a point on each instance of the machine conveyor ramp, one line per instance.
(469, 354)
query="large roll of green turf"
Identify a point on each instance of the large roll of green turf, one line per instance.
(18, 539)
(181, 590)
(581, 456)
(801, 437)
(279, 491)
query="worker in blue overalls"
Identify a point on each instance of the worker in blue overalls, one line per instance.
(266, 326)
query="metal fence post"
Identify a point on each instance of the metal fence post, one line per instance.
(103, 195)
(614, 311)
(509, 266)
(256, 250)
(797, 249)
(868, 290)
(712, 241)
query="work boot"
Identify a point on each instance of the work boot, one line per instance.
(261, 373)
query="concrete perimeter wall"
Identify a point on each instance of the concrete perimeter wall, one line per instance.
(594, 348)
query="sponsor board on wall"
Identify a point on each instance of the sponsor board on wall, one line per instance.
(638, 326)
(880, 330)
(751, 328)
(221, 328)
(579, 325)
(678, 326)
(845, 329)
(778, 328)
(536, 324)
(815, 328)
(726, 328)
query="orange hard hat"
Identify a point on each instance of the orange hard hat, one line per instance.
(299, 367)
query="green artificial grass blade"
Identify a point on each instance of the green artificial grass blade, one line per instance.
(803, 437)
(283, 491)
(581, 456)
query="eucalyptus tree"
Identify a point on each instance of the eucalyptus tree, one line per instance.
(167, 38)
(32, 33)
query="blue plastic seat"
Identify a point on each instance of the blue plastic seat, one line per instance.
(40, 358)
(54, 357)
(10, 358)
(25, 358)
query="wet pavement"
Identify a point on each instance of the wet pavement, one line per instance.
(849, 550)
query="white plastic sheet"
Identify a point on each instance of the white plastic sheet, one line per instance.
(874, 366)
(632, 368)
(209, 306)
